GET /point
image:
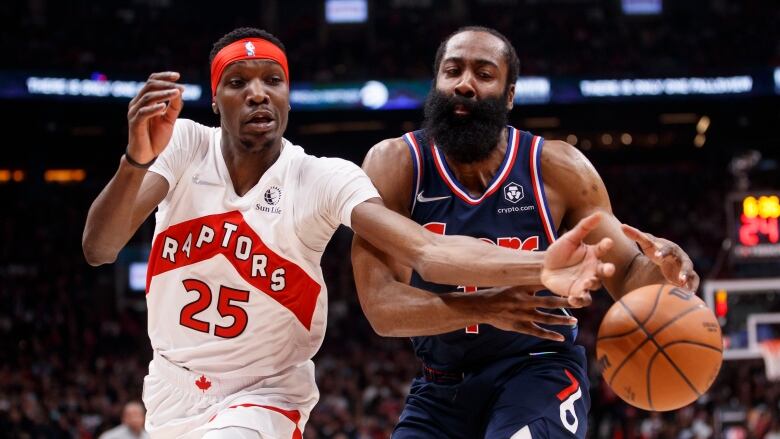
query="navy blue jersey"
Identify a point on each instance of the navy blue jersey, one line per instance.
(512, 213)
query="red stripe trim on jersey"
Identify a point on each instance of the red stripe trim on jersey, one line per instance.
(293, 415)
(228, 235)
(538, 194)
(502, 175)
(418, 159)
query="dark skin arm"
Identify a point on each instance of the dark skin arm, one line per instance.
(575, 190)
(396, 309)
(133, 193)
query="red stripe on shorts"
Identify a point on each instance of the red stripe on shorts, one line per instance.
(565, 393)
(293, 415)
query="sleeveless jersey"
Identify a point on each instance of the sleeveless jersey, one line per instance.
(511, 213)
(234, 285)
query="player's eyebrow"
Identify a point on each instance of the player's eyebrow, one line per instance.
(478, 61)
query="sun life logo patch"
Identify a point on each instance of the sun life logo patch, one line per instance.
(272, 195)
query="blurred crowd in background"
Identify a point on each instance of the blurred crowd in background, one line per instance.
(399, 38)
(72, 354)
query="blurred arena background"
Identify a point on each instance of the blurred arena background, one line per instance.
(677, 103)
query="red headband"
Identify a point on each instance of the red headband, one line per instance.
(248, 48)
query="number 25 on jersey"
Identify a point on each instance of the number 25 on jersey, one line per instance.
(227, 300)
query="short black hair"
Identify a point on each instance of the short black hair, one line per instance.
(510, 55)
(241, 33)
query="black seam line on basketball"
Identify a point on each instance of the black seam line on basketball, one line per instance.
(652, 311)
(631, 354)
(650, 364)
(625, 360)
(639, 326)
(650, 337)
(695, 343)
(647, 380)
(655, 304)
(609, 337)
(636, 349)
(678, 317)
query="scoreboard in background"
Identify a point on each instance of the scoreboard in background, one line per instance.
(753, 225)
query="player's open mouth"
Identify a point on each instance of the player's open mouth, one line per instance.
(260, 121)
(461, 110)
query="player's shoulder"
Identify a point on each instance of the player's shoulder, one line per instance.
(559, 148)
(389, 165)
(560, 154)
(190, 127)
(193, 137)
(390, 156)
(394, 148)
(566, 167)
(330, 164)
(311, 165)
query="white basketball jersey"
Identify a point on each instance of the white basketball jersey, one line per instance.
(234, 286)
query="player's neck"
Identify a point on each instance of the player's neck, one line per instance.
(476, 176)
(247, 165)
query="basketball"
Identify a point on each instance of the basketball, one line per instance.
(659, 347)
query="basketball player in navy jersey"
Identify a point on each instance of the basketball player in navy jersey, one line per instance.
(469, 173)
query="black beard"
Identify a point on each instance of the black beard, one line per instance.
(465, 139)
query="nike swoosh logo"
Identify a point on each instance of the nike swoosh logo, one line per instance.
(197, 180)
(422, 199)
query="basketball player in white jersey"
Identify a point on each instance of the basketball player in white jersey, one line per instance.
(236, 298)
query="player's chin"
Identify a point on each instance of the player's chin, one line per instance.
(257, 142)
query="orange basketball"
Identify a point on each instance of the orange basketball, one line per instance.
(659, 347)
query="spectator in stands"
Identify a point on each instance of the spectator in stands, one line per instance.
(132, 426)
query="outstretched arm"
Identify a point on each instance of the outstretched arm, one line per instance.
(462, 260)
(457, 260)
(577, 191)
(133, 193)
(396, 309)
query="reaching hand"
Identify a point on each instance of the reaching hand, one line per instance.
(151, 116)
(572, 268)
(674, 263)
(517, 309)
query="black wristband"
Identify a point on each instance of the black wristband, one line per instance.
(136, 164)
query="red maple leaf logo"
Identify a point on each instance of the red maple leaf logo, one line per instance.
(202, 383)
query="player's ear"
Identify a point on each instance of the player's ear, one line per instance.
(214, 108)
(510, 96)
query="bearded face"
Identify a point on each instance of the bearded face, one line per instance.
(466, 129)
